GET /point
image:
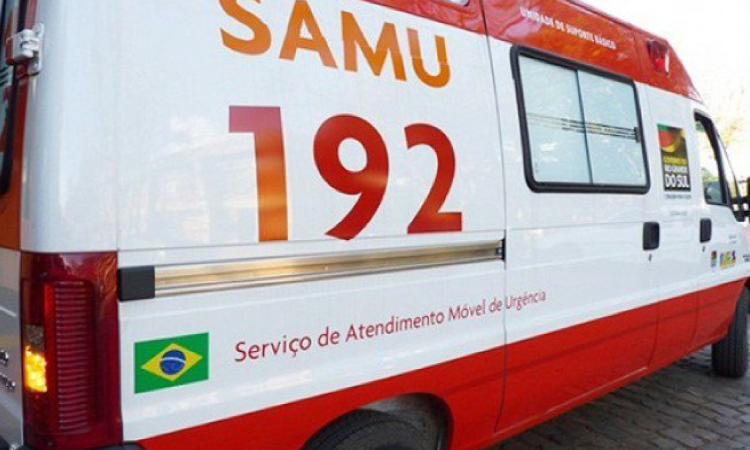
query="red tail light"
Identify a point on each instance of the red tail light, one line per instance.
(71, 351)
(660, 57)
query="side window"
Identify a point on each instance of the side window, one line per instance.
(731, 180)
(612, 125)
(582, 129)
(719, 182)
(555, 123)
(710, 173)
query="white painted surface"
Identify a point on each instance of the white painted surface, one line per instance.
(568, 245)
(306, 309)
(187, 194)
(676, 265)
(69, 190)
(186, 182)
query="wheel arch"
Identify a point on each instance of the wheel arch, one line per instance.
(427, 412)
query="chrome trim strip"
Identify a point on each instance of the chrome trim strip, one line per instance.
(186, 279)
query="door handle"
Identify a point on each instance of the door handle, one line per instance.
(651, 235)
(706, 230)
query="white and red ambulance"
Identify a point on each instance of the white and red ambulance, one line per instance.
(348, 225)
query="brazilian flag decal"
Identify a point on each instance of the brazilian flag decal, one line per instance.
(167, 363)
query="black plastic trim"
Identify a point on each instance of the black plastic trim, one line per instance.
(136, 283)
(706, 233)
(651, 236)
(588, 188)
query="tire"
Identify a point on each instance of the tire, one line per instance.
(369, 430)
(729, 356)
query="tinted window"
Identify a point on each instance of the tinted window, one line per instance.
(710, 173)
(719, 182)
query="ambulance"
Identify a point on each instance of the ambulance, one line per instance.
(351, 224)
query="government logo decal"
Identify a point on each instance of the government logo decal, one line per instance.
(167, 363)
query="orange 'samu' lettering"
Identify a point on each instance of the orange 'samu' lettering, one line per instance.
(376, 58)
(444, 76)
(303, 15)
(261, 40)
(303, 32)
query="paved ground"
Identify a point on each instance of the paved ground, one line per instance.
(682, 407)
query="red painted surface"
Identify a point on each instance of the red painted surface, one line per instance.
(468, 17)
(677, 80)
(677, 319)
(505, 21)
(546, 376)
(10, 202)
(470, 386)
(552, 370)
(576, 354)
(715, 312)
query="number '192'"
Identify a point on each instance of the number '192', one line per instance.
(369, 183)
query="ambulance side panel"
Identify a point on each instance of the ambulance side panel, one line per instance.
(188, 196)
(210, 161)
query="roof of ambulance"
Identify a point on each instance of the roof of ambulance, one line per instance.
(678, 80)
(616, 20)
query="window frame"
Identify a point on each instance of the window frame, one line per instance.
(718, 146)
(574, 188)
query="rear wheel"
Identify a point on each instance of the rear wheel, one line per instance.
(730, 355)
(369, 430)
